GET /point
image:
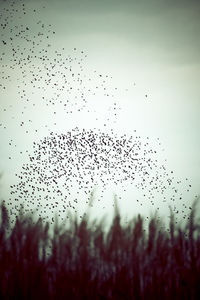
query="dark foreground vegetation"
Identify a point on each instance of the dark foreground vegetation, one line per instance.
(85, 262)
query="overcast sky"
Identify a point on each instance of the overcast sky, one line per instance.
(144, 47)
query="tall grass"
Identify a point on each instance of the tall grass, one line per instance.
(87, 262)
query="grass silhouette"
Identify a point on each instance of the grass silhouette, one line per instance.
(83, 261)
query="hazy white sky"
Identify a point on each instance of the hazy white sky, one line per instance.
(144, 48)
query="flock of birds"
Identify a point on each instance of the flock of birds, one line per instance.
(63, 166)
(88, 158)
(43, 71)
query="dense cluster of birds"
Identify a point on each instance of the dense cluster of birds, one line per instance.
(88, 158)
(63, 165)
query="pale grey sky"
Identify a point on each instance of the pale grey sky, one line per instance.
(152, 44)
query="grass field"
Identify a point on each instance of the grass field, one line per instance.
(83, 261)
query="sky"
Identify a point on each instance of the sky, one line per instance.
(143, 54)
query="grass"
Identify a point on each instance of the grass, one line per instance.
(83, 261)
